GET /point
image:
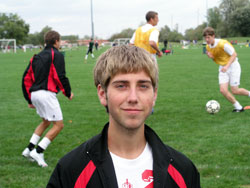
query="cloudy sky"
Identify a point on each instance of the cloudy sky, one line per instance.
(110, 16)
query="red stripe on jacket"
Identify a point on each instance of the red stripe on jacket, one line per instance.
(85, 176)
(177, 177)
(29, 79)
(53, 79)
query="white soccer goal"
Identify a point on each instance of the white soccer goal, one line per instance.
(121, 41)
(7, 44)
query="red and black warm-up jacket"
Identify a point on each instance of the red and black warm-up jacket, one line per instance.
(90, 166)
(46, 71)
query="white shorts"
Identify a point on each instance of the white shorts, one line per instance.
(232, 75)
(47, 105)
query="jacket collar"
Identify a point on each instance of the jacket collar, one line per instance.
(98, 150)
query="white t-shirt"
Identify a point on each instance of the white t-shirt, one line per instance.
(134, 173)
(154, 35)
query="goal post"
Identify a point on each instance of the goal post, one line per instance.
(6, 43)
(121, 41)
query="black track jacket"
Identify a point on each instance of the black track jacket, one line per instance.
(46, 71)
(90, 166)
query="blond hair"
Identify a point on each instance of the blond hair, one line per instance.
(124, 59)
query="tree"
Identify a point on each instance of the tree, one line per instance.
(70, 38)
(126, 33)
(42, 33)
(214, 17)
(13, 27)
(195, 34)
(33, 39)
(175, 36)
(228, 9)
(240, 21)
(164, 32)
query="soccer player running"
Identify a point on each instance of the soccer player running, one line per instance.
(147, 36)
(223, 54)
(44, 77)
(127, 153)
(90, 49)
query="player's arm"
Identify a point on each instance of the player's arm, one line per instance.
(132, 40)
(229, 50)
(210, 55)
(153, 40)
(62, 80)
(154, 46)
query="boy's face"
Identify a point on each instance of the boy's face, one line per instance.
(209, 39)
(130, 99)
(57, 44)
(155, 20)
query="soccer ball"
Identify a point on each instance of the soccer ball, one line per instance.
(212, 107)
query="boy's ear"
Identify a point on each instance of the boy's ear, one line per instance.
(102, 95)
(155, 95)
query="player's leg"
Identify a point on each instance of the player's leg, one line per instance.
(52, 112)
(226, 93)
(235, 80)
(35, 138)
(86, 57)
(224, 78)
(55, 130)
(37, 153)
(239, 91)
(92, 55)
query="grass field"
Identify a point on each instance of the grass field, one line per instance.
(219, 144)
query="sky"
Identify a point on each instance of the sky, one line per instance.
(73, 17)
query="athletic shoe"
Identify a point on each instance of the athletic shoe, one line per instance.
(238, 110)
(26, 154)
(247, 108)
(38, 157)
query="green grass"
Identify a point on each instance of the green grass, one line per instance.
(219, 144)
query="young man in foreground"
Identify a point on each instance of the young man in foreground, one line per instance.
(127, 153)
(44, 77)
(223, 54)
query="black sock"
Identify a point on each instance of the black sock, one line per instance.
(31, 146)
(39, 149)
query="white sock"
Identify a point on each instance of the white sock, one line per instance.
(92, 55)
(237, 105)
(86, 57)
(34, 139)
(44, 143)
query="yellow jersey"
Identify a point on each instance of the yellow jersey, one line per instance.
(220, 56)
(142, 40)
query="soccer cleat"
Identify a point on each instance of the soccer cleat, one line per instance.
(247, 108)
(26, 154)
(38, 157)
(238, 110)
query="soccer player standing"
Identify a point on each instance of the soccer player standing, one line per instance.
(223, 54)
(44, 77)
(147, 36)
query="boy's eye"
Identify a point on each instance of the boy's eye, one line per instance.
(120, 86)
(144, 86)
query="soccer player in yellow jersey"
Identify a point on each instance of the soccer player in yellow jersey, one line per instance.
(147, 36)
(223, 54)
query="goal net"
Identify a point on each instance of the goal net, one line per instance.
(7, 45)
(121, 41)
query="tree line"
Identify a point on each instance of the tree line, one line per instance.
(230, 19)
